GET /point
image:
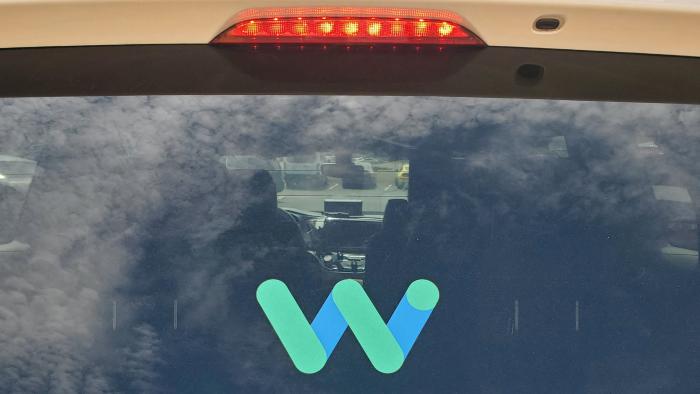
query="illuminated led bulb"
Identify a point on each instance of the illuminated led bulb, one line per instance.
(251, 28)
(325, 27)
(374, 28)
(421, 27)
(276, 28)
(445, 29)
(300, 28)
(351, 28)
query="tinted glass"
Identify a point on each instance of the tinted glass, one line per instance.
(562, 237)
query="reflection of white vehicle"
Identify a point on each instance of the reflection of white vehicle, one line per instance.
(16, 176)
(16, 172)
(251, 163)
(679, 247)
(303, 171)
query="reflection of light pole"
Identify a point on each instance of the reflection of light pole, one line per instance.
(175, 314)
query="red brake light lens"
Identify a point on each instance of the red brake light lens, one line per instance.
(347, 26)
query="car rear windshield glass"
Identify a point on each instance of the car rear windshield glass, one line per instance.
(136, 233)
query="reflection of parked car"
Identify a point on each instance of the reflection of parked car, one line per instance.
(362, 178)
(249, 162)
(401, 179)
(304, 171)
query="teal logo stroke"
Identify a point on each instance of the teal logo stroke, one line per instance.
(310, 345)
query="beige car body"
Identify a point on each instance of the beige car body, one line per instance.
(669, 27)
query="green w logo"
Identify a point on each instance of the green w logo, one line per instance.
(310, 345)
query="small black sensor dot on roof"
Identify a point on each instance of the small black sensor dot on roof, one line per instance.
(547, 24)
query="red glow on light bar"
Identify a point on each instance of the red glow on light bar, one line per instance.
(347, 26)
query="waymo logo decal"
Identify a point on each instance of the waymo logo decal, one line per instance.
(310, 345)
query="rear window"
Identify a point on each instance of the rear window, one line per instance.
(562, 236)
